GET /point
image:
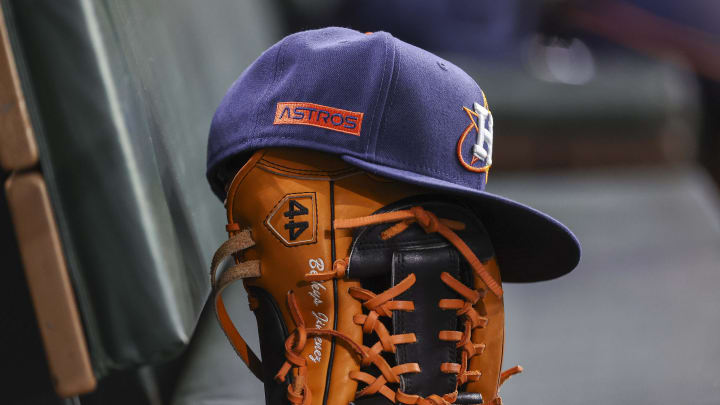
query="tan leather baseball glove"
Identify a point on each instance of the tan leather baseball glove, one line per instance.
(365, 290)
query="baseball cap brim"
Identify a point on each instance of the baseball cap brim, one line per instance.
(529, 245)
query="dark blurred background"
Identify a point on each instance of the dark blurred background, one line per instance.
(606, 117)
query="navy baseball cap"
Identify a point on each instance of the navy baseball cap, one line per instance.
(391, 109)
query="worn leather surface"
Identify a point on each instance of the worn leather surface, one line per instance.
(258, 198)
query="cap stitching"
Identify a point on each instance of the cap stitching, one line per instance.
(391, 96)
(267, 88)
(378, 110)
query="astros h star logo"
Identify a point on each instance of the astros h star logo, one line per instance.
(481, 122)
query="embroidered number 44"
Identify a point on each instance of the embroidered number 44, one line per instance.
(295, 209)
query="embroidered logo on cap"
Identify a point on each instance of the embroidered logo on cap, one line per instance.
(481, 151)
(316, 115)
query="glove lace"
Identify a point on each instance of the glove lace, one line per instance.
(383, 304)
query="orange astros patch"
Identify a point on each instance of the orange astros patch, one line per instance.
(316, 115)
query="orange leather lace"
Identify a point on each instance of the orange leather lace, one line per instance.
(384, 304)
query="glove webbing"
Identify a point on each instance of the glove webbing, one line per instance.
(242, 240)
(383, 305)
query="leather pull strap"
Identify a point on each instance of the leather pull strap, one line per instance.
(251, 268)
(428, 319)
